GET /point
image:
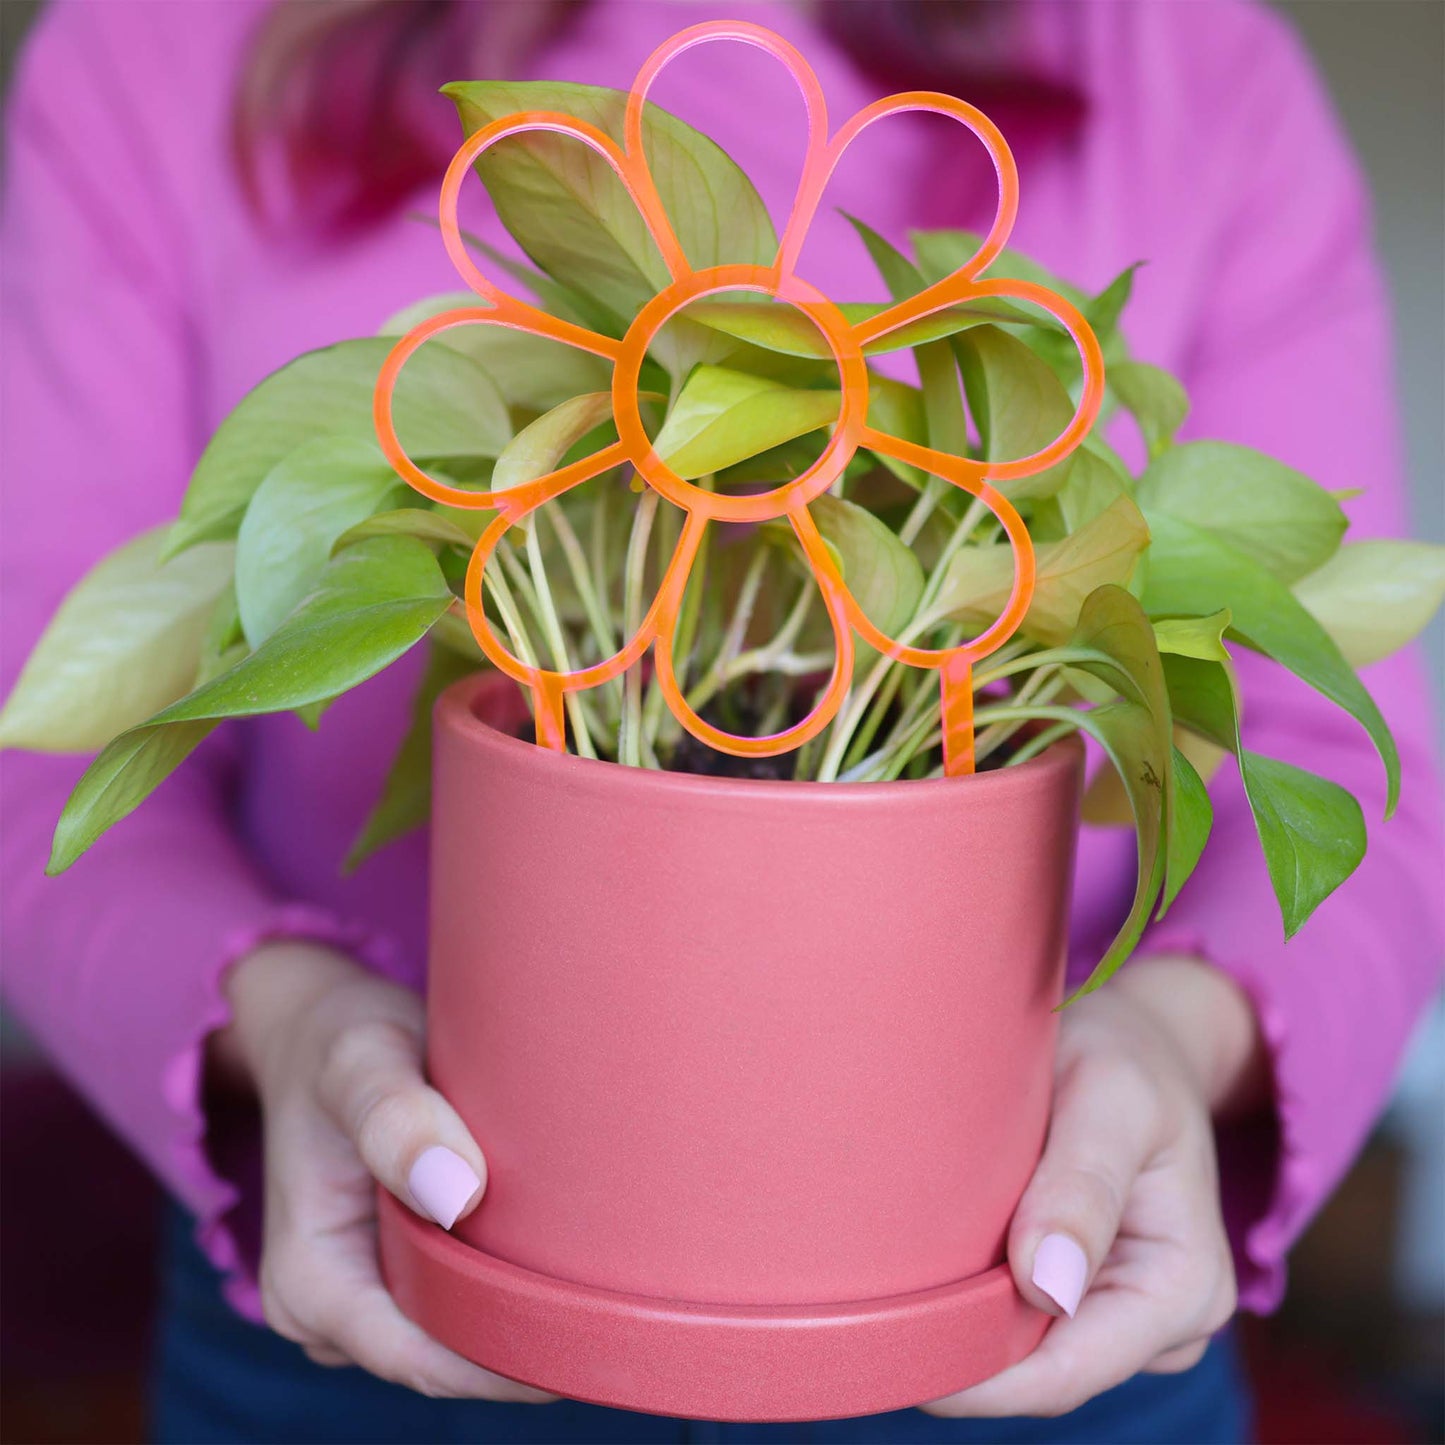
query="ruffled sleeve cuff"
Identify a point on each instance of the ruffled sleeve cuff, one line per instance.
(215, 1145)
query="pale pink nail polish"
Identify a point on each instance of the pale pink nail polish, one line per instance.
(1061, 1269)
(442, 1183)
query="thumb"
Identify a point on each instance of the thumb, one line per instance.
(1069, 1215)
(407, 1135)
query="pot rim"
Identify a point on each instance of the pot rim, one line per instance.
(456, 713)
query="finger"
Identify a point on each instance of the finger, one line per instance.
(327, 1356)
(1099, 1139)
(1115, 1334)
(1175, 1362)
(356, 1315)
(408, 1136)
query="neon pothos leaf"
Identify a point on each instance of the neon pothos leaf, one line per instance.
(565, 207)
(529, 371)
(1136, 734)
(446, 406)
(1191, 817)
(426, 524)
(723, 416)
(775, 326)
(1271, 513)
(306, 501)
(1193, 573)
(373, 602)
(1155, 399)
(1311, 830)
(883, 574)
(978, 581)
(1374, 597)
(126, 640)
(1115, 643)
(1018, 404)
(538, 448)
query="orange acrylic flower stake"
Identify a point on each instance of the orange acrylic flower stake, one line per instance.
(790, 500)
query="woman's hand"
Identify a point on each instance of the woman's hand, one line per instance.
(1120, 1228)
(335, 1056)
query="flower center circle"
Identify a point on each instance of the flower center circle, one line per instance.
(847, 430)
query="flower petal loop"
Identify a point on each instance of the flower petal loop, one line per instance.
(661, 615)
(815, 479)
(509, 310)
(823, 711)
(815, 157)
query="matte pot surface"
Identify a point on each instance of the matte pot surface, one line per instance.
(741, 1043)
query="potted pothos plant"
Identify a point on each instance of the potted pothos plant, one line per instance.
(759, 1048)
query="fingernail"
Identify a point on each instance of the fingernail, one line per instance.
(1061, 1269)
(442, 1182)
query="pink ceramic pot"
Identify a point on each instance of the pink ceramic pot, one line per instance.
(760, 1070)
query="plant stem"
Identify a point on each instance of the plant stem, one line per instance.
(556, 637)
(630, 737)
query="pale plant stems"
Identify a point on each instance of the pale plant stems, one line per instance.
(630, 740)
(657, 719)
(733, 634)
(556, 636)
(856, 708)
(597, 616)
(1041, 688)
(602, 572)
(1045, 738)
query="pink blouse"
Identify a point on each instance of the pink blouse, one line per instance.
(141, 300)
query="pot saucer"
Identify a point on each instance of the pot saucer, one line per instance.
(712, 1362)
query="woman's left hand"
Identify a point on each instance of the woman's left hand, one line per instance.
(1120, 1229)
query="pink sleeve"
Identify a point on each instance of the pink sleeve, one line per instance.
(1295, 358)
(114, 966)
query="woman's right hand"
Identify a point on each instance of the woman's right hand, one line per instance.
(334, 1055)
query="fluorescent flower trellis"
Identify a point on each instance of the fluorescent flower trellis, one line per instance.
(790, 500)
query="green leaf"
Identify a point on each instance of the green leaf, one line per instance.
(529, 371)
(776, 326)
(405, 801)
(224, 644)
(426, 524)
(1136, 734)
(723, 416)
(1095, 482)
(1192, 573)
(373, 602)
(1156, 401)
(126, 640)
(978, 581)
(1103, 312)
(1311, 830)
(446, 406)
(942, 252)
(883, 574)
(898, 410)
(1373, 597)
(1019, 405)
(1191, 817)
(1256, 505)
(538, 448)
(566, 208)
(307, 500)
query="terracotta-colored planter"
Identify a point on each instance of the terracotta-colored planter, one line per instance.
(760, 1070)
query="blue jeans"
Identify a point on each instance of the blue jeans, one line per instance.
(222, 1381)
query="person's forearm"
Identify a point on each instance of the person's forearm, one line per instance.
(1213, 1023)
